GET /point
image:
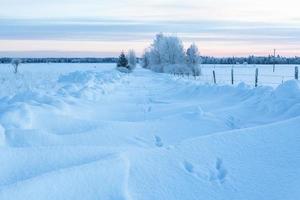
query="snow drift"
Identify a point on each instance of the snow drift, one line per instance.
(102, 134)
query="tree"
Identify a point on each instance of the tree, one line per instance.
(193, 59)
(122, 61)
(131, 57)
(15, 63)
(172, 51)
(146, 59)
(164, 51)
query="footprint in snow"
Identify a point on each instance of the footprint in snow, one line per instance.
(232, 122)
(189, 167)
(193, 171)
(158, 141)
(219, 173)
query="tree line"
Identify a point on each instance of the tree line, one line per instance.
(251, 60)
(204, 60)
(6, 60)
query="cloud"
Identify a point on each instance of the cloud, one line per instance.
(209, 34)
(246, 10)
(106, 30)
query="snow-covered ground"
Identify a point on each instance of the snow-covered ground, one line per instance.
(87, 131)
(246, 74)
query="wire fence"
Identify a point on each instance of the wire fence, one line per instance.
(251, 75)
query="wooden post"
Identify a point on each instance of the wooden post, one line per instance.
(232, 80)
(256, 76)
(296, 73)
(214, 76)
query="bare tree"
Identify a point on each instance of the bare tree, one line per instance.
(15, 63)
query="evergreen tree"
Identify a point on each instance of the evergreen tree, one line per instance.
(122, 61)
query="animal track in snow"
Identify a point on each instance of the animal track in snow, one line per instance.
(189, 167)
(193, 171)
(232, 122)
(158, 141)
(219, 173)
(149, 109)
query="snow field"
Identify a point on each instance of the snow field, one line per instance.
(246, 74)
(90, 132)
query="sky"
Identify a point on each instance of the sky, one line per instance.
(102, 28)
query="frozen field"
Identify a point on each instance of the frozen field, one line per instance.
(246, 74)
(87, 131)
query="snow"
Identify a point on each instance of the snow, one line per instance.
(246, 74)
(88, 131)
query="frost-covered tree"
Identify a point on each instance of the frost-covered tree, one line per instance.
(174, 51)
(122, 61)
(15, 63)
(131, 57)
(167, 54)
(146, 59)
(193, 60)
(156, 50)
(164, 51)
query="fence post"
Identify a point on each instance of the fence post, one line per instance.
(256, 76)
(214, 76)
(296, 73)
(232, 80)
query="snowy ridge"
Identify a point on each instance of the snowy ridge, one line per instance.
(101, 134)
